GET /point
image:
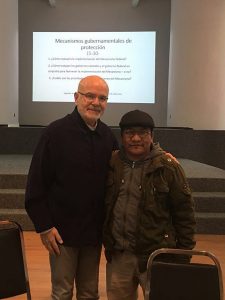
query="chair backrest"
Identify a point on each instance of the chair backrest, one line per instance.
(183, 281)
(14, 276)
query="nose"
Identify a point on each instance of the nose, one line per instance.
(95, 101)
(136, 137)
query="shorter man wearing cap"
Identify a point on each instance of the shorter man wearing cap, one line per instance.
(148, 206)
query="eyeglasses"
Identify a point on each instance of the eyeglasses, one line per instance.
(91, 97)
(142, 133)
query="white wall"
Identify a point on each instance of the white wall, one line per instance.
(196, 95)
(197, 64)
(9, 62)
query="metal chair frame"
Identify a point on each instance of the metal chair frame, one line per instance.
(11, 225)
(190, 253)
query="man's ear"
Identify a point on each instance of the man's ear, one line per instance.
(76, 95)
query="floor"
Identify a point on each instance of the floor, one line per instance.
(37, 260)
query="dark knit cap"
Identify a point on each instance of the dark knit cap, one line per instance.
(136, 118)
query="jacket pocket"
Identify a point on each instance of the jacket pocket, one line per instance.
(161, 188)
(169, 239)
(160, 196)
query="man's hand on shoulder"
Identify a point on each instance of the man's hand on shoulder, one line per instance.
(170, 156)
(114, 152)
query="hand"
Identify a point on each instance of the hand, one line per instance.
(114, 152)
(172, 157)
(50, 240)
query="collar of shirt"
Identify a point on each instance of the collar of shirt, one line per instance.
(92, 127)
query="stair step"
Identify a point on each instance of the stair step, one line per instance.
(210, 223)
(207, 184)
(13, 181)
(18, 215)
(12, 198)
(208, 193)
(209, 201)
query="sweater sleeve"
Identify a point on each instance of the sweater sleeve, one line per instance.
(39, 181)
(182, 209)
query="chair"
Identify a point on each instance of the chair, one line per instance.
(14, 276)
(183, 281)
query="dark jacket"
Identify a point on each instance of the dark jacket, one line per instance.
(165, 216)
(66, 180)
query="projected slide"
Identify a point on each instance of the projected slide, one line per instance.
(126, 60)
